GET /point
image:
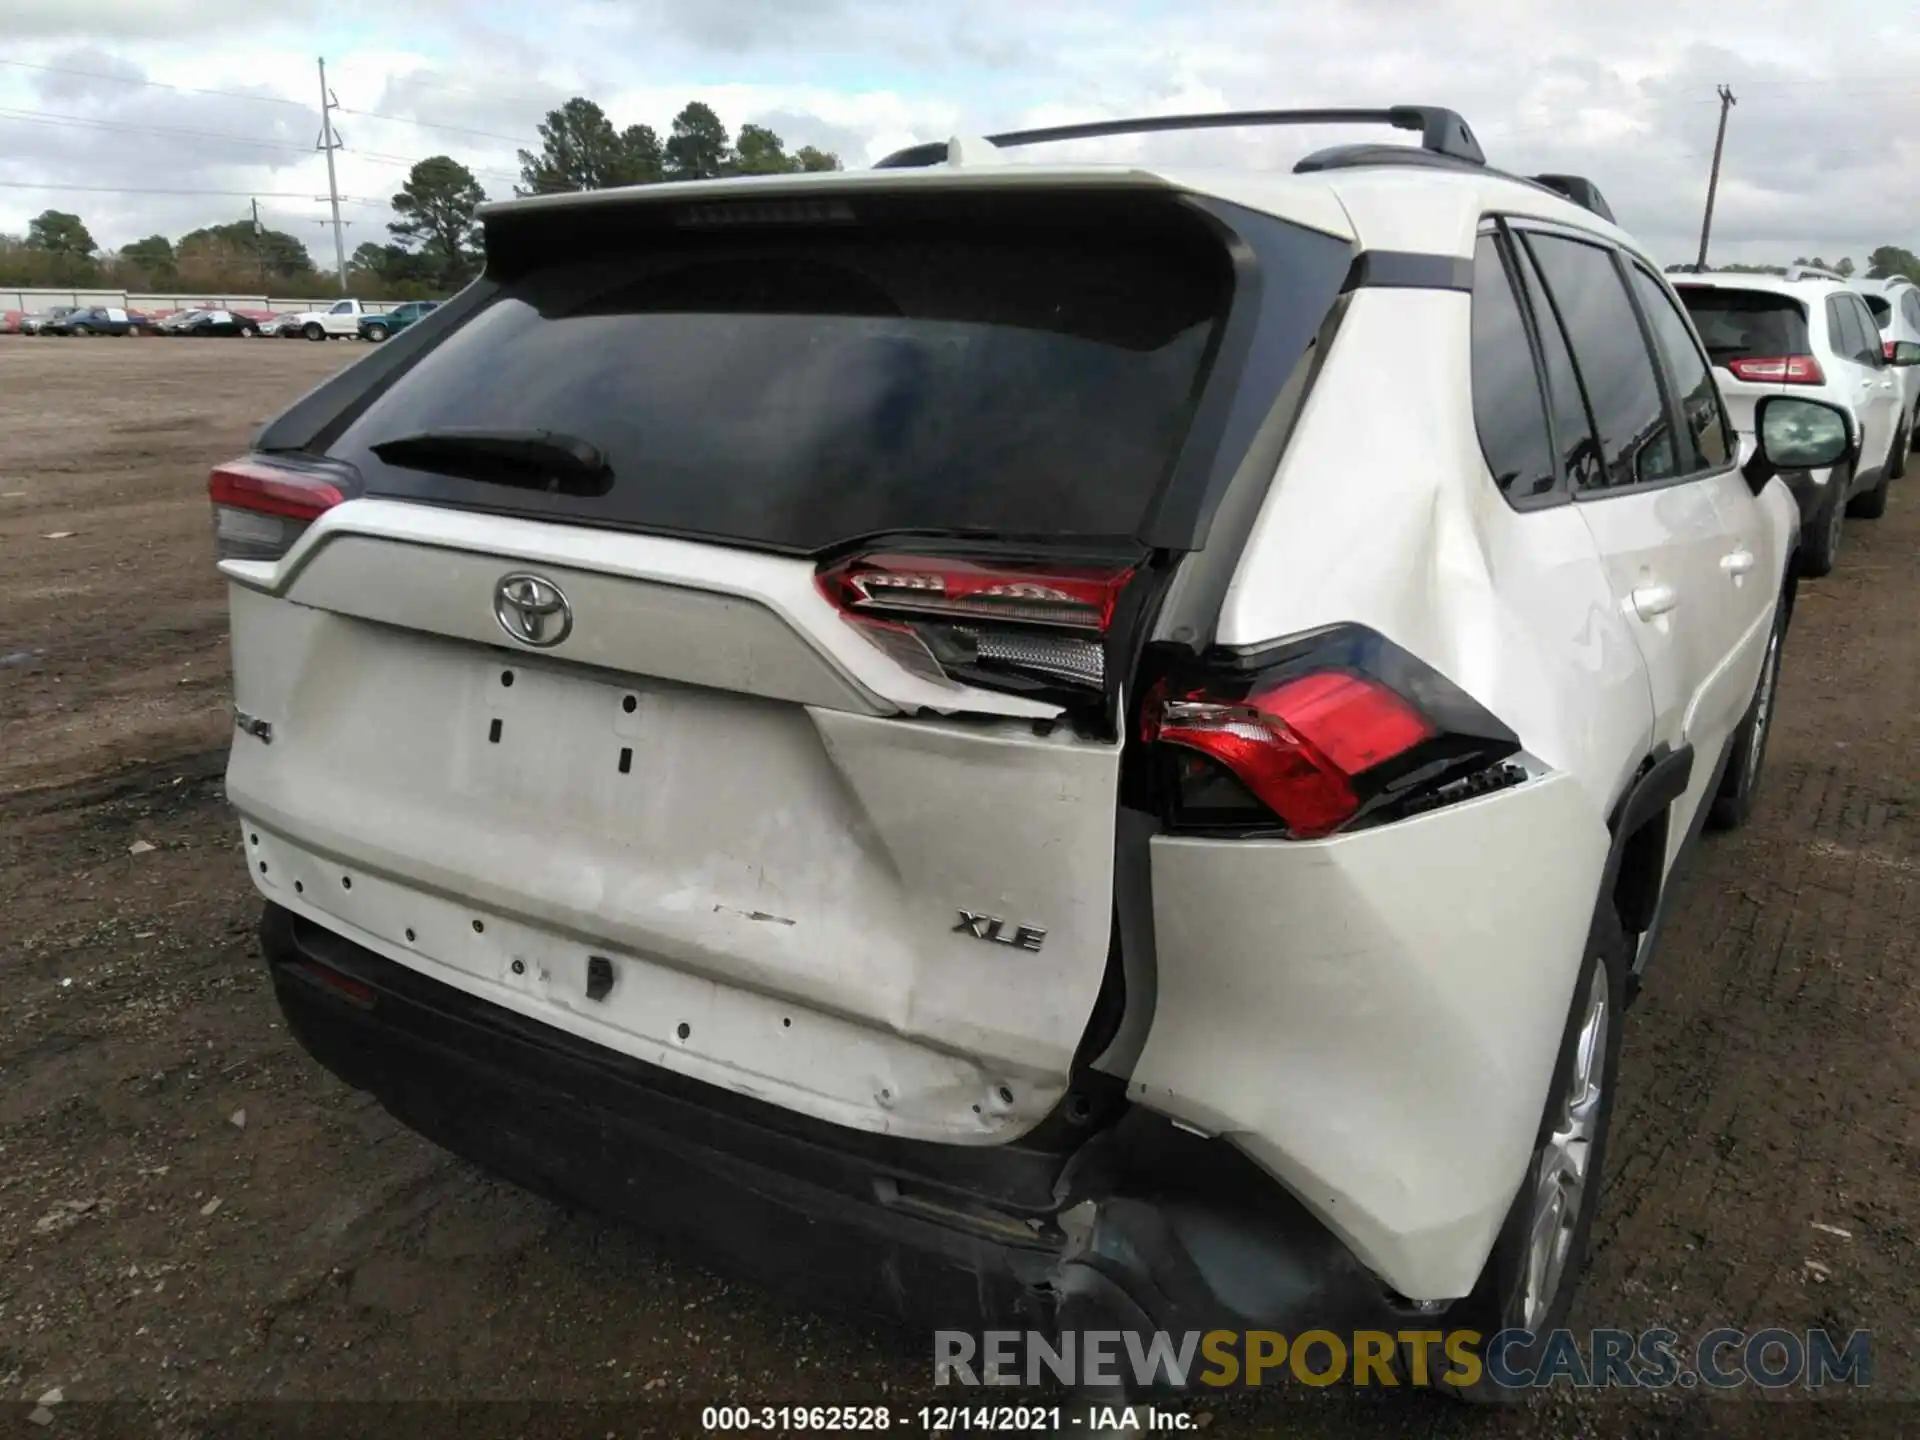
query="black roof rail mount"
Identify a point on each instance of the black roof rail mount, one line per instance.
(1442, 131)
(1582, 191)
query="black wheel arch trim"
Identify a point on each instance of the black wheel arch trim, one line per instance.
(1636, 871)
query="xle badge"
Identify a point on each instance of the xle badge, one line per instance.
(992, 927)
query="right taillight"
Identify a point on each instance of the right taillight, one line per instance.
(1305, 740)
(1778, 370)
(260, 509)
(1886, 348)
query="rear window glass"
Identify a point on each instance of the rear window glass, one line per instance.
(1740, 324)
(795, 388)
(1882, 310)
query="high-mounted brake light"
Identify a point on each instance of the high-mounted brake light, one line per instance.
(260, 509)
(1315, 734)
(999, 623)
(1778, 370)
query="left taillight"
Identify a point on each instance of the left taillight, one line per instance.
(260, 509)
(1307, 741)
(1021, 625)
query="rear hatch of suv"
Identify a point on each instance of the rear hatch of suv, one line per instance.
(710, 642)
(1758, 344)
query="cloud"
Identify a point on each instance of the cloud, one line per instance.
(1817, 159)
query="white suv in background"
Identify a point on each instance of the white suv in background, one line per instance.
(924, 731)
(1895, 303)
(1813, 336)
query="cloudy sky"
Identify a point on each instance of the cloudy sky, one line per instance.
(162, 115)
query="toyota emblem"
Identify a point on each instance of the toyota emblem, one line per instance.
(532, 610)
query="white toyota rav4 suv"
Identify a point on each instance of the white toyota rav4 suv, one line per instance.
(1061, 744)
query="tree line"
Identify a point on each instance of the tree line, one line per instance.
(1883, 263)
(435, 246)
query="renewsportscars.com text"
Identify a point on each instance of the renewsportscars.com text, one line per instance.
(1719, 1359)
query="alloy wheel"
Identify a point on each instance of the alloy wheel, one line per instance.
(1566, 1161)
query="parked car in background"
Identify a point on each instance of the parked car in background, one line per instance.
(97, 320)
(217, 322)
(1226, 921)
(284, 326)
(10, 321)
(1815, 337)
(378, 327)
(35, 322)
(339, 321)
(1895, 303)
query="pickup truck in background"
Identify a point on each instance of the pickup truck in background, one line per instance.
(339, 321)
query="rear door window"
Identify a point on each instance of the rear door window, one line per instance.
(1746, 324)
(796, 387)
(1698, 396)
(1629, 411)
(1867, 351)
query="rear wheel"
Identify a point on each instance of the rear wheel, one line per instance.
(376, 333)
(313, 332)
(1530, 1277)
(1820, 544)
(1741, 782)
(247, 332)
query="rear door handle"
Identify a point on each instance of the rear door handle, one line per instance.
(1737, 562)
(1650, 601)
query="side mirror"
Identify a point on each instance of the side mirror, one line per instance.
(1794, 434)
(1905, 352)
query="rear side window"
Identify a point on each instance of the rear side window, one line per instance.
(1572, 424)
(1692, 380)
(1629, 411)
(1882, 310)
(1746, 324)
(1508, 409)
(1910, 307)
(793, 387)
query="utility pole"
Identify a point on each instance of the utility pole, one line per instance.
(330, 142)
(1727, 102)
(259, 247)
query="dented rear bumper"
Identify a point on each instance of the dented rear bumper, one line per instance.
(1141, 1227)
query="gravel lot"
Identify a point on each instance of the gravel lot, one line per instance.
(195, 1219)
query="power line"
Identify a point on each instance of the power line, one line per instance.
(154, 84)
(44, 117)
(47, 117)
(170, 190)
(431, 125)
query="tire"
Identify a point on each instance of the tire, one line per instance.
(1733, 802)
(1872, 504)
(1820, 540)
(249, 332)
(1515, 1290)
(375, 333)
(313, 331)
(80, 332)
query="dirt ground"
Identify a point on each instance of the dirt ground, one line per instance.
(195, 1220)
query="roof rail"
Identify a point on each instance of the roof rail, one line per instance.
(1580, 190)
(1814, 272)
(1442, 131)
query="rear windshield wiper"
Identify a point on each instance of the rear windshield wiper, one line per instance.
(548, 460)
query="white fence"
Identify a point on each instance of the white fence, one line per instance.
(34, 300)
